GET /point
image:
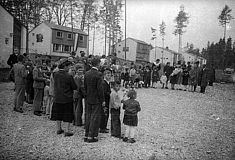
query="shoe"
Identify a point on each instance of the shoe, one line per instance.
(92, 140)
(125, 139)
(37, 113)
(60, 131)
(68, 134)
(18, 110)
(85, 139)
(166, 87)
(132, 140)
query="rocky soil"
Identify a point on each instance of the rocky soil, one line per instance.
(173, 125)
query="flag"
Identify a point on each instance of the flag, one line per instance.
(153, 30)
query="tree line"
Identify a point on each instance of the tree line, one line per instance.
(103, 16)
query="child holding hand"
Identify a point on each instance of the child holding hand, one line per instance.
(131, 107)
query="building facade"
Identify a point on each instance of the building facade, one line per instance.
(12, 36)
(136, 50)
(55, 40)
(164, 54)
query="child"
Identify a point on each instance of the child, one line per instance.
(131, 107)
(105, 111)
(115, 105)
(163, 80)
(46, 99)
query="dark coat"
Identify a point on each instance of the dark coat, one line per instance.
(64, 85)
(203, 77)
(93, 87)
(107, 90)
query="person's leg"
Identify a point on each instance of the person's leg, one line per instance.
(87, 118)
(37, 102)
(132, 134)
(95, 120)
(116, 123)
(132, 131)
(58, 124)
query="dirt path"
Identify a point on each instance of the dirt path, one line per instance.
(173, 125)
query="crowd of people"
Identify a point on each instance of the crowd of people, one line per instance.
(65, 88)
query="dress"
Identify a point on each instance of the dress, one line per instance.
(155, 75)
(185, 76)
(131, 107)
(64, 85)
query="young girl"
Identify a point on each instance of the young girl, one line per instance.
(131, 107)
(163, 80)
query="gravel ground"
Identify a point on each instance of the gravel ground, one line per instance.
(173, 125)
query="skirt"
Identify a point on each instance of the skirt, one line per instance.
(62, 112)
(130, 120)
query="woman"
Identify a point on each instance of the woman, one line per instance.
(62, 109)
(38, 85)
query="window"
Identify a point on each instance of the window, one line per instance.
(59, 34)
(69, 36)
(39, 37)
(127, 49)
(81, 38)
(67, 48)
(57, 47)
(6, 40)
(32, 34)
(32, 44)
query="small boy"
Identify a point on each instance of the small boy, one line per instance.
(115, 105)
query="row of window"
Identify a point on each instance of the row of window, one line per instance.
(62, 48)
(59, 34)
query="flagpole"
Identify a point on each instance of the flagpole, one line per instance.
(155, 48)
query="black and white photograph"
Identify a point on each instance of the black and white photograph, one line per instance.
(117, 80)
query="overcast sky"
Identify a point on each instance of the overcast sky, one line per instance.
(203, 22)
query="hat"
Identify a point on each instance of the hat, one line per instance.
(70, 59)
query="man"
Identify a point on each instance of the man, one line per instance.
(107, 91)
(20, 74)
(203, 79)
(94, 101)
(13, 58)
(167, 70)
(194, 76)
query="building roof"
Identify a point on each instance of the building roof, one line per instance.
(63, 28)
(138, 41)
(169, 50)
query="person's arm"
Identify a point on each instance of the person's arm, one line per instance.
(100, 89)
(73, 84)
(138, 107)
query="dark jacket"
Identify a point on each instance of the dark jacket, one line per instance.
(131, 107)
(39, 80)
(107, 91)
(12, 60)
(64, 85)
(93, 87)
(203, 77)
